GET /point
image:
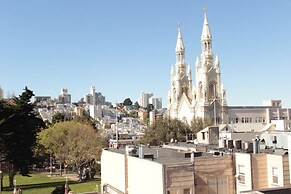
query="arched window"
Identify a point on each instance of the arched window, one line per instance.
(212, 90)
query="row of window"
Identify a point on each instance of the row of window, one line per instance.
(241, 175)
(248, 120)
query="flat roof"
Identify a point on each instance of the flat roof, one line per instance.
(166, 156)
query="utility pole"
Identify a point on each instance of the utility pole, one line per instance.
(116, 122)
(51, 164)
(1, 180)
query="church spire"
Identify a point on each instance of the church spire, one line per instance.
(206, 44)
(180, 49)
(197, 63)
(189, 73)
(206, 35)
(217, 63)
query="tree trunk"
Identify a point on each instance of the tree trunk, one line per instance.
(11, 180)
(61, 173)
(79, 171)
(1, 183)
(11, 174)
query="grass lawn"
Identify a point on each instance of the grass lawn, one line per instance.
(42, 184)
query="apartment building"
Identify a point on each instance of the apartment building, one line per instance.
(165, 171)
(186, 169)
(261, 171)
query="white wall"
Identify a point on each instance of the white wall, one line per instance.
(200, 136)
(245, 160)
(113, 169)
(144, 176)
(277, 162)
(289, 154)
(282, 140)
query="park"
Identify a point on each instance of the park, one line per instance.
(39, 157)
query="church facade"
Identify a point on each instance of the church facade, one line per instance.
(207, 97)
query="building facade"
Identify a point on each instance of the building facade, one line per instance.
(208, 97)
(165, 171)
(156, 102)
(144, 99)
(94, 98)
(64, 97)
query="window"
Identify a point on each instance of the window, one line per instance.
(203, 135)
(241, 174)
(246, 120)
(260, 120)
(186, 191)
(236, 120)
(217, 185)
(275, 175)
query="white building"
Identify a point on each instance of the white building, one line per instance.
(261, 171)
(156, 102)
(128, 174)
(1, 93)
(64, 97)
(95, 111)
(157, 170)
(208, 97)
(94, 98)
(144, 99)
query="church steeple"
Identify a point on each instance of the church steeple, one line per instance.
(208, 96)
(206, 44)
(206, 35)
(180, 49)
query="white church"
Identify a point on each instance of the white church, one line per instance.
(207, 97)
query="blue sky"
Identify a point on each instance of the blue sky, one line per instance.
(127, 47)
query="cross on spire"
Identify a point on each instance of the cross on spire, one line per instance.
(179, 24)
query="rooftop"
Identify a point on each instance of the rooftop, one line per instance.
(170, 154)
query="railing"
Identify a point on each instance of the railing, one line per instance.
(107, 186)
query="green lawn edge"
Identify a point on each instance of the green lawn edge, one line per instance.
(42, 183)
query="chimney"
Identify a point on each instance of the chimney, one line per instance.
(256, 145)
(126, 150)
(192, 157)
(141, 151)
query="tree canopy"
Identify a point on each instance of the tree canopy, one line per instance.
(165, 129)
(72, 142)
(19, 124)
(136, 105)
(198, 124)
(58, 117)
(127, 102)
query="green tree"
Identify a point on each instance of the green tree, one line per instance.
(165, 129)
(136, 105)
(86, 118)
(19, 125)
(150, 108)
(72, 143)
(198, 123)
(58, 117)
(127, 102)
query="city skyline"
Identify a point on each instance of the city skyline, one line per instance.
(125, 48)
